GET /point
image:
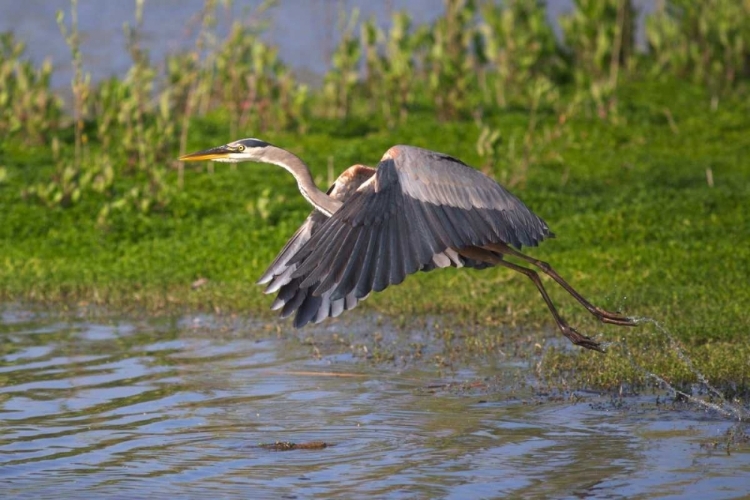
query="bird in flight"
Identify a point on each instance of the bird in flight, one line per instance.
(417, 211)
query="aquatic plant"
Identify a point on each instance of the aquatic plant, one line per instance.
(519, 45)
(600, 35)
(708, 42)
(72, 175)
(453, 58)
(255, 88)
(343, 76)
(28, 107)
(391, 66)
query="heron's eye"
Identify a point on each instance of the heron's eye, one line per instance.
(240, 148)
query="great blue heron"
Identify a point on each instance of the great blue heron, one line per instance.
(419, 210)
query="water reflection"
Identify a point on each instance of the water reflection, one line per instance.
(177, 408)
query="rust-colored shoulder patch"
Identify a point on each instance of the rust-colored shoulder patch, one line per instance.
(391, 153)
(356, 173)
(350, 180)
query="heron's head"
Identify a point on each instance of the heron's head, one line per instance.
(242, 150)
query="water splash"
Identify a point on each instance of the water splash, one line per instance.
(727, 408)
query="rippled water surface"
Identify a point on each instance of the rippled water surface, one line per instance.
(138, 408)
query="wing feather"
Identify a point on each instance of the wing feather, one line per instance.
(329, 273)
(382, 272)
(362, 252)
(297, 241)
(366, 274)
(311, 308)
(291, 306)
(278, 277)
(321, 257)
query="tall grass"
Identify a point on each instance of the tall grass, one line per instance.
(342, 79)
(520, 47)
(391, 66)
(601, 37)
(28, 109)
(708, 42)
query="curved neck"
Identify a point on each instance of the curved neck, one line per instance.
(292, 163)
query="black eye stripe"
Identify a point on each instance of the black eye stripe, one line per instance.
(254, 143)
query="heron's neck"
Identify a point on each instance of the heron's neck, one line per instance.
(292, 163)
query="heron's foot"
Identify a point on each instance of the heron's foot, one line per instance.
(579, 339)
(613, 318)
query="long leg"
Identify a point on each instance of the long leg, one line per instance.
(575, 337)
(601, 314)
(565, 328)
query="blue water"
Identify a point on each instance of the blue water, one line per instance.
(176, 408)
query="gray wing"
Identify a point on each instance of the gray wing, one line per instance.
(291, 297)
(280, 271)
(413, 214)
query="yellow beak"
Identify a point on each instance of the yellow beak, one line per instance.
(208, 154)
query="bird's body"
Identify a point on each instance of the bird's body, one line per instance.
(418, 211)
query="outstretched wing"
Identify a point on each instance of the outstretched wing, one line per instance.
(280, 271)
(415, 213)
(291, 297)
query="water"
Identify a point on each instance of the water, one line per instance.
(177, 408)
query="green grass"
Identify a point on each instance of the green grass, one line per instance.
(638, 229)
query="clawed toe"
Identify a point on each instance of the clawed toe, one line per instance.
(591, 344)
(618, 321)
(614, 318)
(581, 340)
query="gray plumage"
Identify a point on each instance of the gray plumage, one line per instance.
(418, 205)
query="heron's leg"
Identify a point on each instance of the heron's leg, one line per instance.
(566, 329)
(603, 315)
(484, 255)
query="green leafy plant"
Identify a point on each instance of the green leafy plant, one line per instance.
(708, 42)
(343, 77)
(489, 147)
(453, 58)
(391, 66)
(601, 37)
(73, 176)
(478, 57)
(520, 46)
(28, 108)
